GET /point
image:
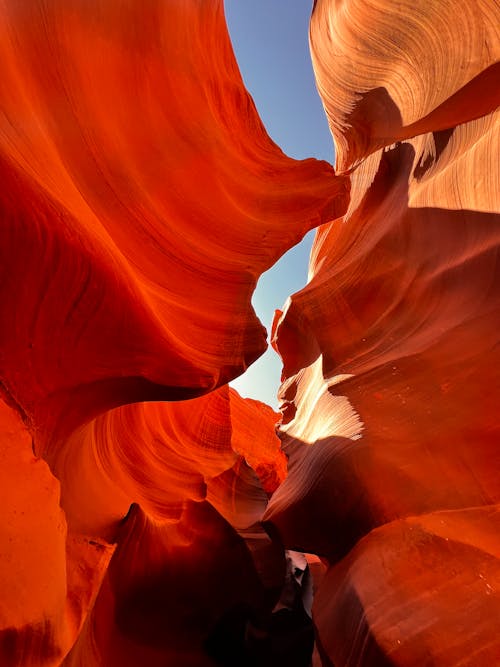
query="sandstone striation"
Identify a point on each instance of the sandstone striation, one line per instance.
(143, 198)
(147, 510)
(390, 353)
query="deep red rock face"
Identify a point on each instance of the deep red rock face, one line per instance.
(141, 199)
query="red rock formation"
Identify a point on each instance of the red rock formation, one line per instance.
(43, 603)
(391, 352)
(141, 199)
(192, 557)
(167, 587)
(160, 455)
(389, 73)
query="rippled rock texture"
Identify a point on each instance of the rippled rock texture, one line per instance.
(391, 352)
(141, 199)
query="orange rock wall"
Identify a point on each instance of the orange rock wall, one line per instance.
(391, 405)
(144, 199)
(141, 199)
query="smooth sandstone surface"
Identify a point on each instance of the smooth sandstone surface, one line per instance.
(147, 511)
(388, 72)
(43, 603)
(390, 353)
(143, 198)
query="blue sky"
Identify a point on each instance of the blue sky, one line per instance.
(270, 40)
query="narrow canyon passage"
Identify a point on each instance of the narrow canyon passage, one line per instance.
(279, 76)
(150, 515)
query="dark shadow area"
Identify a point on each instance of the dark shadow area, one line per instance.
(284, 638)
(281, 638)
(441, 140)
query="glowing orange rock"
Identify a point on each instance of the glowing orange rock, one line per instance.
(380, 83)
(169, 584)
(391, 354)
(160, 455)
(143, 198)
(49, 579)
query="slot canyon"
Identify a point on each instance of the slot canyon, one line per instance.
(150, 516)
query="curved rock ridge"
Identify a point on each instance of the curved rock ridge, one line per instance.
(147, 510)
(88, 581)
(409, 587)
(159, 455)
(390, 72)
(191, 552)
(143, 198)
(390, 353)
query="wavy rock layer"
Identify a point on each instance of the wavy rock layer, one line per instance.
(387, 73)
(159, 455)
(144, 198)
(391, 386)
(44, 602)
(192, 558)
(141, 199)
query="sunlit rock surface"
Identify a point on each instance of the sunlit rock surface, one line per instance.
(390, 72)
(141, 199)
(391, 352)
